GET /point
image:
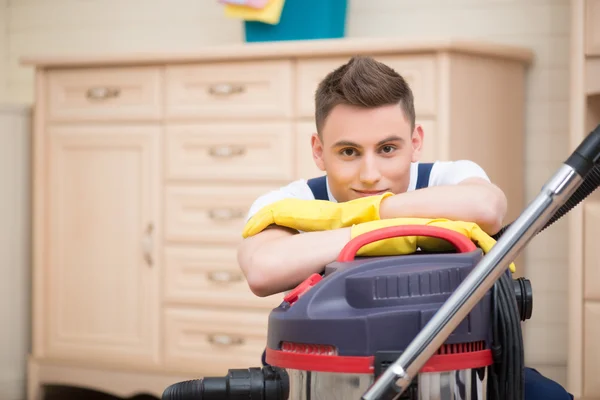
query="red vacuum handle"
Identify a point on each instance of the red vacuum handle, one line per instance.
(462, 243)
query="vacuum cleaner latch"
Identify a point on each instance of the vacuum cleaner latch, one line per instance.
(302, 288)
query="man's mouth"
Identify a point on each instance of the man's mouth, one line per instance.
(370, 192)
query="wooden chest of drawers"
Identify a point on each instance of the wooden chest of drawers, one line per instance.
(145, 169)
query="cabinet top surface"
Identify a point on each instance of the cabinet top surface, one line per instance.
(289, 49)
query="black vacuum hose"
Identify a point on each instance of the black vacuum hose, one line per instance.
(506, 379)
(266, 383)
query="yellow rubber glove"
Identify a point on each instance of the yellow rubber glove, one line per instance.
(315, 215)
(409, 244)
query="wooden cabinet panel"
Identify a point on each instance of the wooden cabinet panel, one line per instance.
(304, 161)
(430, 150)
(210, 276)
(591, 250)
(591, 355)
(209, 213)
(592, 28)
(230, 90)
(592, 76)
(103, 260)
(119, 94)
(209, 342)
(229, 151)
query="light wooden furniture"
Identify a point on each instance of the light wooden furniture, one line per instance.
(15, 245)
(145, 167)
(584, 221)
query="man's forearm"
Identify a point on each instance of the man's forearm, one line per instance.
(483, 204)
(274, 260)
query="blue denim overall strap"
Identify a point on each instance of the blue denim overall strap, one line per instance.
(424, 171)
(318, 186)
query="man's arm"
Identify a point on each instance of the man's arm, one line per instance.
(472, 200)
(278, 259)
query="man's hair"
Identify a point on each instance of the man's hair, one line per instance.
(363, 82)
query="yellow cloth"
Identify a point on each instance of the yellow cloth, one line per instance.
(409, 244)
(315, 215)
(270, 14)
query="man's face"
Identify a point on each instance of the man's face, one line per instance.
(366, 152)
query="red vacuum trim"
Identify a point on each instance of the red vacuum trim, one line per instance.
(302, 288)
(365, 365)
(462, 243)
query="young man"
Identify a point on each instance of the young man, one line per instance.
(368, 144)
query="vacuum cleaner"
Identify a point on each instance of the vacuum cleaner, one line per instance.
(422, 326)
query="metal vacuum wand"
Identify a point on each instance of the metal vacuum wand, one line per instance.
(398, 376)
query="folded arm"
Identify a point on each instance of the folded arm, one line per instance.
(472, 200)
(277, 259)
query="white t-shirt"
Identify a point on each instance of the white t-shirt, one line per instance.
(442, 173)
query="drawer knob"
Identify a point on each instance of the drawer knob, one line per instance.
(102, 93)
(227, 151)
(225, 340)
(225, 214)
(225, 89)
(224, 277)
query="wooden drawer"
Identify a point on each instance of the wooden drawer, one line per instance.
(116, 94)
(209, 342)
(305, 164)
(419, 72)
(230, 90)
(209, 213)
(218, 151)
(592, 29)
(210, 276)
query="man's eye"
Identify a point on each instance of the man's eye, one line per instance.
(348, 152)
(388, 149)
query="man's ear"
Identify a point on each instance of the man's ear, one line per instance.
(417, 142)
(317, 151)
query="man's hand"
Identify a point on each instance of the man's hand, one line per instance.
(472, 200)
(314, 215)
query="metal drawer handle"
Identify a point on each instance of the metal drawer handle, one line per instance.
(102, 93)
(227, 151)
(225, 340)
(226, 89)
(147, 244)
(224, 277)
(220, 214)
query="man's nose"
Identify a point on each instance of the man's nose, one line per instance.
(369, 171)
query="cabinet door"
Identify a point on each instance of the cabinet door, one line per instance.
(102, 269)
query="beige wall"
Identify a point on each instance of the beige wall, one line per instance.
(15, 245)
(71, 26)
(3, 48)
